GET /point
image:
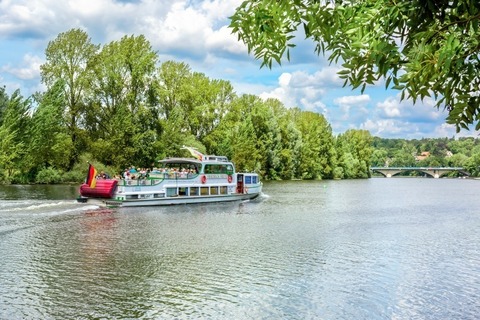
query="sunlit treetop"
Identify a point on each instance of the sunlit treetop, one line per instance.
(424, 48)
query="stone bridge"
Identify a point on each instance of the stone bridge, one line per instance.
(435, 172)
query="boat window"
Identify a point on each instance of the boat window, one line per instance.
(223, 190)
(204, 191)
(219, 168)
(182, 191)
(181, 170)
(213, 190)
(171, 192)
(194, 191)
(254, 179)
(248, 179)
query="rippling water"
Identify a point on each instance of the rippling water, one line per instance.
(370, 249)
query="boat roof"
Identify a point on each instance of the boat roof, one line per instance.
(180, 160)
(209, 159)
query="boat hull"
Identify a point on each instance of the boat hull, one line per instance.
(167, 201)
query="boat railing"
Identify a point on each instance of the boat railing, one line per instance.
(155, 179)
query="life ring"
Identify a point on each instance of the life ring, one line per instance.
(229, 179)
(204, 179)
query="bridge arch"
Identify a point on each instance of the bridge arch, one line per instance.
(435, 172)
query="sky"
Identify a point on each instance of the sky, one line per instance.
(196, 32)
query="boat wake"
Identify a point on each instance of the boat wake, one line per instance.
(44, 207)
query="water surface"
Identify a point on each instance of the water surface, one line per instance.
(368, 249)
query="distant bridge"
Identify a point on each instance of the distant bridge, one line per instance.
(435, 172)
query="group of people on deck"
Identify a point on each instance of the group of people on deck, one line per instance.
(132, 173)
(175, 172)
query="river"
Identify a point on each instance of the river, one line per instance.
(398, 248)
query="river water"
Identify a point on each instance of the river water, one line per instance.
(381, 248)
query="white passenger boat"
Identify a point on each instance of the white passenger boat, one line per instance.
(205, 178)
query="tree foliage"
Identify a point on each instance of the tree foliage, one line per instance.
(67, 59)
(424, 48)
(49, 143)
(14, 134)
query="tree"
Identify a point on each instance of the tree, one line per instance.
(355, 152)
(67, 59)
(49, 145)
(317, 153)
(3, 103)
(118, 117)
(13, 133)
(424, 48)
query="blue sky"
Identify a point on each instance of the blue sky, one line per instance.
(196, 32)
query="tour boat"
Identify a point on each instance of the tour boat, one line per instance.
(203, 179)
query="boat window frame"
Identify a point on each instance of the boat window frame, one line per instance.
(218, 168)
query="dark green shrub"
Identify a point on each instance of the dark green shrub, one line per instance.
(74, 176)
(48, 176)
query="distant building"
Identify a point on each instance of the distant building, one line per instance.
(424, 155)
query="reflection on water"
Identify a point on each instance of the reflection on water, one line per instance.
(370, 249)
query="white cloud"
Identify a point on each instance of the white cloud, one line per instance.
(393, 107)
(219, 9)
(224, 40)
(390, 107)
(361, 100)
(30, 68)
(303, 89)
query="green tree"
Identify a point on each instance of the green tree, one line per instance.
(13, 134)
(118, 117)
(291, 147)
(379, 158)
(424, 48)
(49, 144)
(317, 155)
(355, 152)
(67, 59)
(3, 103)
(472, 165)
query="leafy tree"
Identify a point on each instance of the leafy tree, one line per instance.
(49, 144)
(207, 102)
(355, 152)
(291, 147)
(379, 158)
(457, 160)
(472, 165)
(425, 48)
(172, 78)
(118, 116)
(67, 59)
(13, 134)
(3, 102)
(317, 155)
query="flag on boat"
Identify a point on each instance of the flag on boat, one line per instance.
(91, 176)
(196, 154)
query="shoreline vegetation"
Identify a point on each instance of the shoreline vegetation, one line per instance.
(116, 106)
